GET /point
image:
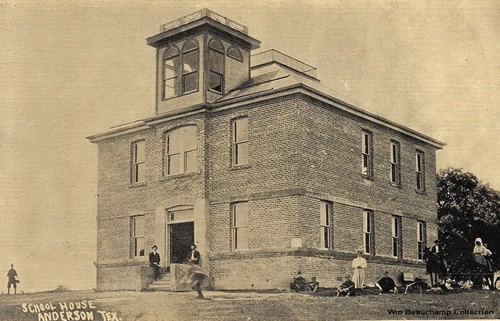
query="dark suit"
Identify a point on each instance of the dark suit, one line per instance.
(154, 262)
(194, 256)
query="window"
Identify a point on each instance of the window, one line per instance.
(138, 238)
(366, 151)
(419, 168)
(138, 162)
(216, 66)
(326, 225)
(181, 150)
(235, 53)
(185, 64)
(240, 141)
(421, 237)
(189, 67)
(395, 164)
(368, 235)
(170, 72)
(397, 241)
(240, 225)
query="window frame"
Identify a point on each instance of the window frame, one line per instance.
(176, 67)
(135, 253)
(366, 153)
(235, 143)
(326, 225)
(183, 150)
(238, 57)
(137, 164)
(185, 52)
(235, 228)
(397, 236)
(218, 52)
(395, 162)
(420, 171)
(421, 239)
(368, 232)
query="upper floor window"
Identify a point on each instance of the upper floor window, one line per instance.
(235, 53)
(189, 67)
(240, 229)
(180, 70)
(138, 236)
(368, 232)
(397, 241)
(171, 64)
(367, 153)
(239, 141)
(138, 162)
(326, 225)
(421, 239)
(181, 150)
(216, 66)
(419, 169)
(395, 164)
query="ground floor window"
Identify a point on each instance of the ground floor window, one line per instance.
(240, 237)
(138, 237)
(397, 241)
(421, 237)
(326, 225)
(368, 232)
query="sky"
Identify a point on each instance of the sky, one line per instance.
(70, 69)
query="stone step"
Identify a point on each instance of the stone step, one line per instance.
(159, 286)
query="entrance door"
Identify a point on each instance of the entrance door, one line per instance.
(181, 239)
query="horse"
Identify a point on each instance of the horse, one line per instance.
(482, 268)
(436, 266)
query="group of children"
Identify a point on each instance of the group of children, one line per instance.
(385, 285)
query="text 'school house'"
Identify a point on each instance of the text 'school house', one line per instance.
(255, 162)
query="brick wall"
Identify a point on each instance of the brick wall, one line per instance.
(276, 270)
(301, 153)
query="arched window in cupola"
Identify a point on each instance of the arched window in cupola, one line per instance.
(171, 63)
(190, 63)
(235, 53)
(216, 66)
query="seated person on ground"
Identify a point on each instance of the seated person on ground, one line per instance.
(346, 288)
(313, 284)
(386, 284)
(299, 283)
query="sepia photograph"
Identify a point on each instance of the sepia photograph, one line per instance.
(165, 160)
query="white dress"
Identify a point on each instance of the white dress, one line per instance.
(359, 264)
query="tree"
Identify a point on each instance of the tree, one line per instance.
(467, 209)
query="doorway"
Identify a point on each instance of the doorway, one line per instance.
(181, 239)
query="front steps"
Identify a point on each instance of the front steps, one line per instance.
(162, 284)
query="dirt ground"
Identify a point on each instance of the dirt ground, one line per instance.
(246, 306)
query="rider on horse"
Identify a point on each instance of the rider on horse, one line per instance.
(480, 252)
(483, 263)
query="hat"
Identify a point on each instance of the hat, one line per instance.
(347, 276)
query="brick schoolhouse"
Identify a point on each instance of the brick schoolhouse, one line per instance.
(253, 160)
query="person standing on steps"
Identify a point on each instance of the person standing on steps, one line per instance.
(154, 261)
(194, 255)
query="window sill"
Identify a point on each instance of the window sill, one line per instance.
(368, 177)
(396, 185)
(215, 92)
(238, 167)
(420, 192)
(180, 175)
(183, 94)
(136, 185)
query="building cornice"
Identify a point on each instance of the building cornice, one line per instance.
(299, 88)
